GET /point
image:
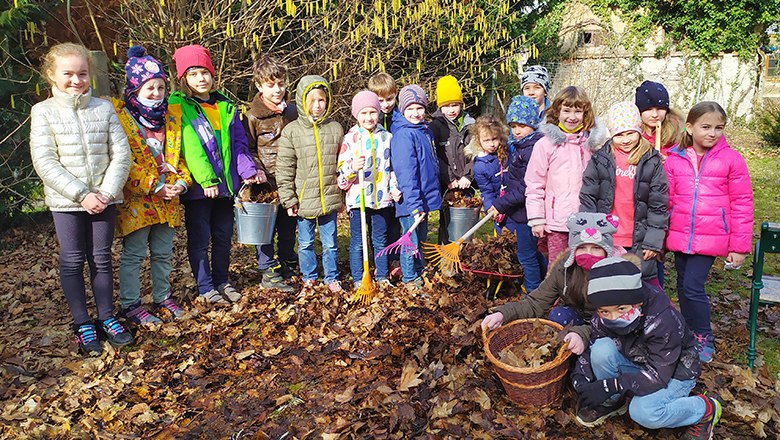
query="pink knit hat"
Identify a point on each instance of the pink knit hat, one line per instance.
(624, 116)
(193, 55)
(363, 99)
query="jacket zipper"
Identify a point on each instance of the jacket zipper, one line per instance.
(84, 144)
(319, 167)
(695, 195)
(373, 169)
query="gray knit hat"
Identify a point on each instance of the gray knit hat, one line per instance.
(591, 227)
(615, 281)
(536, 74)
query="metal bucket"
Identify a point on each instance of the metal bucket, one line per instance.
(461, 220)
(255, 222)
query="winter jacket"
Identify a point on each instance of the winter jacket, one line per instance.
(554, 175)
(263, 129)
(662, 346)
(142, 207)
(451, 143)
(307, 165)
(78, 146)
(416, 168)
(378, 175)
(512, 202)
(386, 120)
(711, 208)
(223, 162)
(651, 197)
(489, 175)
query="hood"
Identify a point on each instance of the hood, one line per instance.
(260, 110)
(305, 85)
(596, 138)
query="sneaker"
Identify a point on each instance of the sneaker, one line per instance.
(384, 283)
(706, 426)
(229, 292)
(416, 283)
(87, 339)
(113, 332)
(591, 417)
(213, 297)
(335, 287)
(307, 287)
(138, 315)
(288, 269)
(170, 305)
(705, 345)
(273, 279)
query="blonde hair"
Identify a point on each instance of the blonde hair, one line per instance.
(671, 127)
(575, 97)
(268, 68)
(696, 112)
(383, 85)
(642, 147)
(491, 124)
(49, 64)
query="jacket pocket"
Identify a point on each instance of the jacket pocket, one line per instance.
(723, 217)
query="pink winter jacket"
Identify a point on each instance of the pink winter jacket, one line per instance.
(711, 209)
(554, 175)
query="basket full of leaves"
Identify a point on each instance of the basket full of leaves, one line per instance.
(530, 359)
(255, 210)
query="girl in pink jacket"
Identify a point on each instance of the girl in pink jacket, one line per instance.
(554, 175)
(711, 207)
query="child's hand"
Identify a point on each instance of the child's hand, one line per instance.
(736, 260)
(358, 163)
(94, 203)
(419, 216)
(493, 321)
(176, 189)
(539, 231)
(493, 210)
(396, 194)
(576, 345)
(211, 191)
(648, 255)
(292, 211)
(464, 183)
(453, 185)
(166, 168)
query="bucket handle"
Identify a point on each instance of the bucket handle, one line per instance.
(238, 204)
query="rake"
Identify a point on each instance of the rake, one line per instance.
(365, 293)
(447, 256)
(403, 245)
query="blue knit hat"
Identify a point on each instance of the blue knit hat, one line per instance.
(141, 68)
(651, 94)
(523, 110)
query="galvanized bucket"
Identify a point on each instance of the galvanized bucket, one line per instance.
(461, 220)
(255, 222)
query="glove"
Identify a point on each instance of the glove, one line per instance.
(595, 393)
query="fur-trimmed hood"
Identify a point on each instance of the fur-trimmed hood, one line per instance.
(594, 138)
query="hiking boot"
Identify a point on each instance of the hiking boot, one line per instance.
(170, 305)
(229, 292)
(706, 426)
(335, 287)
(288, 269)
(138, 315)
(87, 339)
(213, 297)
(272, 279)
(591, 417)
(705, 345)
(113, 332)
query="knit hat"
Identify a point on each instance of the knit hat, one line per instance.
(411, 94)
(193, 55)
(448, 91)
(140, 68)
(615, 281)
(523, 110)
(363, 99)
(593, 228)
(651, 94)
(536, 74)
(622, 117)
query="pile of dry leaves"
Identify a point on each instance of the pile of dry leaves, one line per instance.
(462, 198)
(496, 254)
(532, 349)
(279, 366)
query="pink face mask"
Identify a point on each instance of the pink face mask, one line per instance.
(586, 261)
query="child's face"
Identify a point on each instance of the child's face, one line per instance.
(653, 116)
(71, 74)
(200, 81)
(520, 131)
(590, 248)
(368, 118)
(387, 103)
(622, 311)
(535, 91)
(626, 141)
(571, 117)
(489, 141)
(414, 113)
(273, 90)
(153, 90)
(316, 103)
(451, 110)
(706, 130)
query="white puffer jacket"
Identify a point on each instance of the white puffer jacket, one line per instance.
(78, 146)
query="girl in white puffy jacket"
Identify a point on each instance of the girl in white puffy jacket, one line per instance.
(81, 154)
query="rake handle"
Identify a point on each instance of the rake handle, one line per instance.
(475, 228)
(363, 228)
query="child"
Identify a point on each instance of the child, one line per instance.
(158, 175)
(640, 348)
(81, 189)
(562, 295)
(626, 178)
(490, 164)
(386, 89)
(366, 149)
(306, 173)
(652, 100)
(449, 126)
(523, 119)
(214, 146)
(416, 170)
(535, 83)
(711, 205)
(554, 175)
(268, 114)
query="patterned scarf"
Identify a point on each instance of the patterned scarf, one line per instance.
(152, 118)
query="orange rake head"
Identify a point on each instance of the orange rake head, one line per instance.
(444, 256)
(365, 293)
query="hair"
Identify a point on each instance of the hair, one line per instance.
(576, 285)
(63, 50)
(696, 112)
(575, 97)
(185, 88)
(268, 68)
(494, 125)
(640, 149)
(383, 84)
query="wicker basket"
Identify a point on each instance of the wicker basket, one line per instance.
(537, 386)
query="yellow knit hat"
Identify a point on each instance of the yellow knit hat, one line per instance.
(448, 91)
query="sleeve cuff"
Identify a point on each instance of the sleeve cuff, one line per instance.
(537, 222)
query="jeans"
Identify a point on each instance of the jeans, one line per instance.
(209, 221)
(661, 273)
(692, 271)
(83, 236)
(533, 262)
(377, 222)
(306, 256)
(670, 407)
(411, 266)
(159, 239)
(285, 243)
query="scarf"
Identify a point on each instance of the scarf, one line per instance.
(577, 129)
(152, 118)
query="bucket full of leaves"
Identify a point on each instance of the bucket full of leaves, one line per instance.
(464, 206)
(256, 210)
(530, 359)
